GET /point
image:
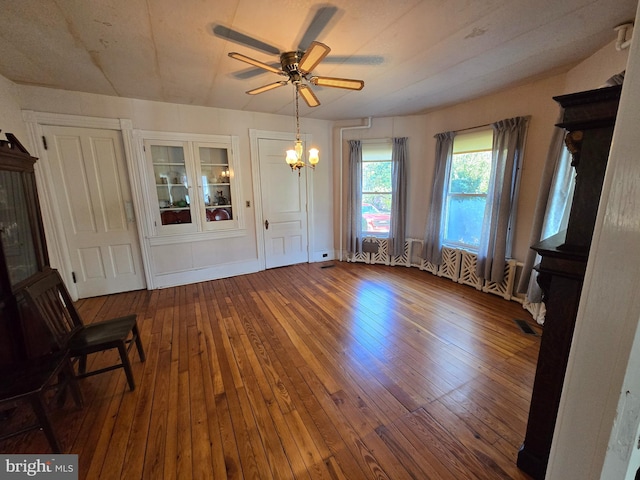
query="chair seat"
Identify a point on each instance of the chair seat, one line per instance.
(98, 334)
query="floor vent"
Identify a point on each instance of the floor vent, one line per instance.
(525, 327)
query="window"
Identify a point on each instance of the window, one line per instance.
(376, 188)
(467, 187)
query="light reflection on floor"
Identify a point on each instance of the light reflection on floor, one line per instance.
(373, 316)
(377, 316)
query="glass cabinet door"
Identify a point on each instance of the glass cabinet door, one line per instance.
(15, 228)
(215, 183)
(172, 179)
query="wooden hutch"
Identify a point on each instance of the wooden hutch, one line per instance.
(589, 118)
(23, 252)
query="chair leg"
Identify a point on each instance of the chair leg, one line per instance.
(82, 364)
(73, 384)
(139, 343)
(41, 413)
(124, 357)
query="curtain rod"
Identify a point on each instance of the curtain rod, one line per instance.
(473, 128)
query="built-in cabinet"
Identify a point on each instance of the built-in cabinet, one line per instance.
(193, 184)
(190, 206)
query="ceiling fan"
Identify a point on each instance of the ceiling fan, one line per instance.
(296, 66)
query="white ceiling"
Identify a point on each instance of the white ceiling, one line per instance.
(413, 55)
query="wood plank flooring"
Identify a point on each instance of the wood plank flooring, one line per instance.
(350, 372)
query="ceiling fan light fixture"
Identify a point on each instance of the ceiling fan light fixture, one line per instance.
(337, 82)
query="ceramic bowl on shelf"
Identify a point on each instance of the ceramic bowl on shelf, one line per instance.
(217, 214)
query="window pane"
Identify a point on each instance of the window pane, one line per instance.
(376, 176)
(376, 213)
(464, 220)
(470, 172)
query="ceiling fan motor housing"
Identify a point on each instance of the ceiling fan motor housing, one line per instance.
(289, 62)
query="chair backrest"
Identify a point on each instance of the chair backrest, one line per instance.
(51, 300)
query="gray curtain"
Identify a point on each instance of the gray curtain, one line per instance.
(499, 215)
(354, 201)
(432, 246)
(399, 196)
(552, 208)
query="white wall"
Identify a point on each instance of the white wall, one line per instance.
(10, 112)
(241, 253)
(597, 69)
(533, 99)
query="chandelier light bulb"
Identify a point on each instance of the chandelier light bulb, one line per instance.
(291, 157)
(314, 156)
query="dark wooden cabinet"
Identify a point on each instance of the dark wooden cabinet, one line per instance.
(589, 119)
(23, 253)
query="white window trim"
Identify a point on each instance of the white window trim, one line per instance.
(450, 243)
(385, 142)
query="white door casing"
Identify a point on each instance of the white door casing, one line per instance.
(282, 215)
(91, 188)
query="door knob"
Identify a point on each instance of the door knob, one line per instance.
(266, 224)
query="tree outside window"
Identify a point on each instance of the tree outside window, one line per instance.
(376, 188)
(468, 184)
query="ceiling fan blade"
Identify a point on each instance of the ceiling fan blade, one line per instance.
(238, 37)
(307, 94)
(318, 23)
(255, 63)
(347, 83)
(266, 88)
(313, 56)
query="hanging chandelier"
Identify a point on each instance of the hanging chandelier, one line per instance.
(295, 156)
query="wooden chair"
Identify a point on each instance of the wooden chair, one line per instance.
(49, 297)
(29, 382)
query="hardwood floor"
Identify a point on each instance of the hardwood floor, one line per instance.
(350, 372)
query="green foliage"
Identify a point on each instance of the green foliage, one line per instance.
(470, 172)
(376, 177)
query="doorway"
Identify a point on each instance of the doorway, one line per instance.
(90, 185)
(283, 223)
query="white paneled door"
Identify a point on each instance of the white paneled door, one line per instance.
(90, 181)
(284, 206)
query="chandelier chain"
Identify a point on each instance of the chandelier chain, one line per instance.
(297, 113)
